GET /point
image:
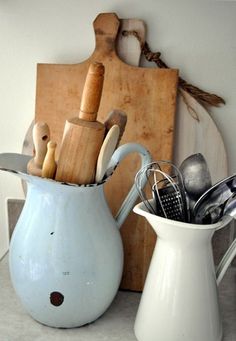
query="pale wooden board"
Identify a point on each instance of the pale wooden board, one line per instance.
(196, 132)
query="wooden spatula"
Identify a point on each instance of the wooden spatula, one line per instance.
(107, 149)
(116, 117)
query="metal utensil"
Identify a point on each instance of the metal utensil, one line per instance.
(230, 206)
(167, 189)
(211, 206)
(196, 177)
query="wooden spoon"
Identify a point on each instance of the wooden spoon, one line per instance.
(106, 151)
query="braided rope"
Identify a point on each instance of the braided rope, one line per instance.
(203, 97)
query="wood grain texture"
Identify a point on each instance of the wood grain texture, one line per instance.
(81, 144)
(147, 95)
(92, 92)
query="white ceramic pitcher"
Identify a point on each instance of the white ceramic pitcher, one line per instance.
(66, 254)
(180, 298)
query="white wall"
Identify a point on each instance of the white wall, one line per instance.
(198, 37)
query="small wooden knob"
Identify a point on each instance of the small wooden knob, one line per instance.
(49, 165)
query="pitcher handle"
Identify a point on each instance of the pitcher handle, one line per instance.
(226, 259)
(132, 196)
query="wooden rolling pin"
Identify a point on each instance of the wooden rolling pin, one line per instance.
(41, 136)
(83, 135)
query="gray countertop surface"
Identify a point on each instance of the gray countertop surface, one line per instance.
(116, 324)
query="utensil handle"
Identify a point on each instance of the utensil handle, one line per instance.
(49, 164)
(41, 136)
(227, 257)
(92, 92)
(132, 196)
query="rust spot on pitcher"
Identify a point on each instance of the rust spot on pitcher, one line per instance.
(56, 298)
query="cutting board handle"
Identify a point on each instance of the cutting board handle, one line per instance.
(132, 196)
(106, 26)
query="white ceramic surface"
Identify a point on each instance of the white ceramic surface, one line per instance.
(66, 254)
(180, 297)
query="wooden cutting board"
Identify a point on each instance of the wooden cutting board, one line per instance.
(196, 132)
(128, 50)
(147, 95)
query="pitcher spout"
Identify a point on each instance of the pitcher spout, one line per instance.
(14, 163)
(175, 229)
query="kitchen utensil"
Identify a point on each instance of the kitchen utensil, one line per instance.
(49, 164)
(167, 189)
(180, 299)
(147, 95)
(66, 254)
(41, 136)
(209, 208)
(230, 206)
(196, 177)
(106, 151)
(83, 135)
(116, 117)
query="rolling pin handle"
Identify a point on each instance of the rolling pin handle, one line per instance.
(92, 92)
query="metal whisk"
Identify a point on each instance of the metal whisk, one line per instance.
(167, 190)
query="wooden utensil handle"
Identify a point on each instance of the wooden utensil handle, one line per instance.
(92, 92)
(49, 164)
(41, 136)
(116, 117)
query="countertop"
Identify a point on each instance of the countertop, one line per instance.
(115, 325)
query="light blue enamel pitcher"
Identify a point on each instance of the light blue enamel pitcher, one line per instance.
(66, 254)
